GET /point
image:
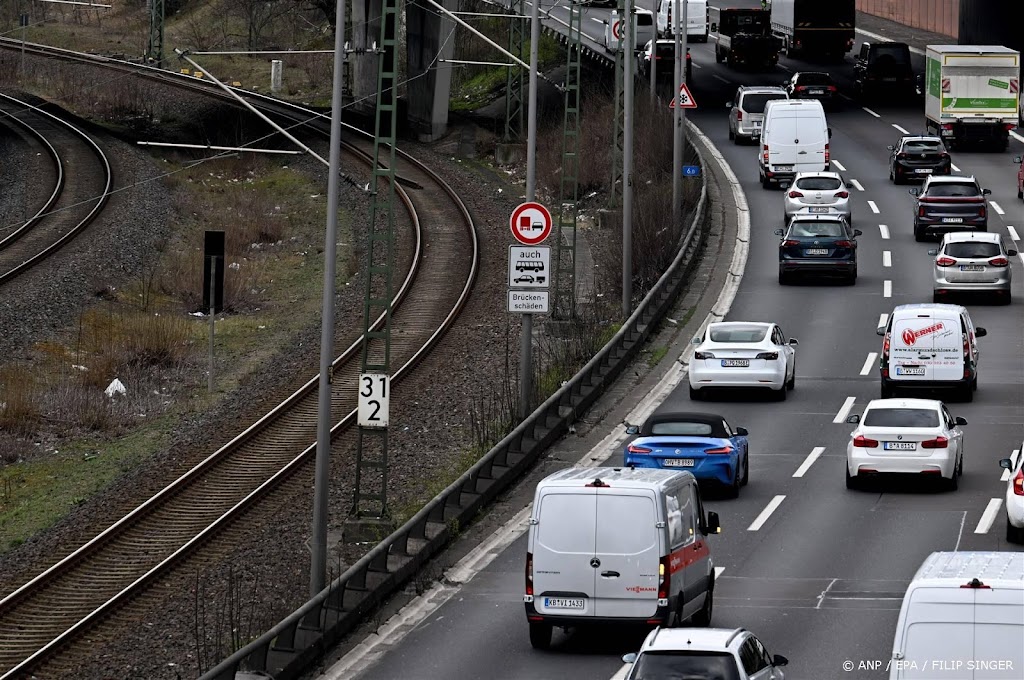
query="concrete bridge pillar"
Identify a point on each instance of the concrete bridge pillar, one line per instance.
(430, 37)
(364, 64)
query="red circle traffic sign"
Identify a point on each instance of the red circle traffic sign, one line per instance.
(530, 223)
(617, 29)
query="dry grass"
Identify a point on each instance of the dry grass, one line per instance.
(19, 400)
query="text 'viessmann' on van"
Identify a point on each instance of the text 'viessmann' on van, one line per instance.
(794, 138)
(616, 545)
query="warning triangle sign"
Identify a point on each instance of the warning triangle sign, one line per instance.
(686, 100)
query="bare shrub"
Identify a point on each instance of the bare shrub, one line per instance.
(181, 278)
(13, 449)
(19, 403)
(254, 220)
(110, 342)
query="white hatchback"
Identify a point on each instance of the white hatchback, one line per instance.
(817, 193)
(1014, 496)
(733, 653)
(743, 354)
(915, 436)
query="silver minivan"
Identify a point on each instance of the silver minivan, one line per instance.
(615, 545)
(746, 111)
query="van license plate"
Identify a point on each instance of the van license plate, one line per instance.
(923, 171)
(815, 251)
(679, 462)
(818, 210)
(899, 446)
(910, 370)
(735, 363)
(783, 168)
(953, 220)
(563, 603)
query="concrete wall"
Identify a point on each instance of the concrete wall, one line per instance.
(937, 16)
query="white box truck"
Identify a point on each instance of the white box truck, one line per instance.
(971, 93)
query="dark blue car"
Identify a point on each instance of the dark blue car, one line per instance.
(700, 443)
(822, 245)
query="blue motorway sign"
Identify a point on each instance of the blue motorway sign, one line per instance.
(691, 171)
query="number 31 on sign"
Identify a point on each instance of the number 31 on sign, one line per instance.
(374, 395)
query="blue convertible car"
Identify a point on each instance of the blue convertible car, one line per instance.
(701, 443)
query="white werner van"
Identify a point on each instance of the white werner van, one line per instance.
(614, 545)
(697, 14)
(930, 345)
(962, 617)
(794, 138)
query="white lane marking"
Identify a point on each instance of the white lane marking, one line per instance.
(997, 207)
(785, 68)
(874, 208)
(1005, 477)
(809, 461)
(959, 536)
(900, 129)
(1012, 232)
(622, 672)
(882, 320)
(839, 165)
(883, 230)
(695, 65)
(846, 97)
(724, 80)
(871, 112)
(989, 516)
(886, 258)
(955, 169)
(718, 572)
(1016, 136)
(766, 513)
(887, 288)
(875, 36)
(844, 410)
(821, 597)
(857, 185)
(600, 21)
(869, 363)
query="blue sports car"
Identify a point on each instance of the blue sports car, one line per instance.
(701, 443)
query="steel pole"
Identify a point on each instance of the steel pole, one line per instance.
(321, 489)
(654, 66)
(627, 163)
(677, 120)
(526, 330)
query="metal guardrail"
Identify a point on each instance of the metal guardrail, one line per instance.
(286, 650)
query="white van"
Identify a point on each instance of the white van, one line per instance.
(962, 617)
(794, 138)
(614, 545)
(930, 346)
(697, 19)
(643, 30)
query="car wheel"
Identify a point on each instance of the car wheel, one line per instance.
(765, 182)
(1020, 193)
(1013, 534)
(791, 383)
(953, 483)
(918, 234)
(540, 635)
(746, 468)
(851, 481)
(1006, 298)
(851, 280)
(785, 278)
(732, 136)
(887, 392)
(733, 490)
(718, 55)
(780, 395)
(703, 617)
(897, 178)
(935, 296)
(974, 384)
(694, 394)
(960, 466)
(967, 394)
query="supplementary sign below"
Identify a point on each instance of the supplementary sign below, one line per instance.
(528, 301)
(529, 266)
(530, 223)
(691, 171)
(374, 398)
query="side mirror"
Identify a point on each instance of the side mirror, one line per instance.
(779, 660)
(880, 330)
(858, 232)
(916, 191)
(849, 185)
(1011, 252)
(960, 420)
(1018, 159)
(853, 420)
(712, 524)
(830, 133)
(714, 28)
(742, 431)
(793, 342)
(783, 185)
(933, 251)
(629, 658)
(730, 105)
(986, 192)
(980, 332)
(632, 429)
(695, 341)
(1006, 463)
(891, 147)
(779, 232)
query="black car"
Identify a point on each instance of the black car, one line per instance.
(949, 204)
(812, 85)
(917, 157)
(883, 68)
(612, 4)
(818, 245)
(665, 61)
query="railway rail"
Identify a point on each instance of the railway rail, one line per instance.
(49, 624)
(77, 198)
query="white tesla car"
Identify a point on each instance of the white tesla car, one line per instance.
(1014, 496)
(916, 436)
(743, 354)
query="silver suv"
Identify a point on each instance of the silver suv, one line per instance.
(730, 653)
(746, 111)
(969, 261)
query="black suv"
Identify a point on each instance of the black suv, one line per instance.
(812, 85)
(883, 68)
(949, 204)
(917, 157)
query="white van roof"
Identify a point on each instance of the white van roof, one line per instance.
(795, 105)
(920, 307)
(624, 477)
(956, 569)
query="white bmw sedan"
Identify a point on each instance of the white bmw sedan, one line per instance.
(915, 436)
(743, 354)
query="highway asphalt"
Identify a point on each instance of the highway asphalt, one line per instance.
(820, 579)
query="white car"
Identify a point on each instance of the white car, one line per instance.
(732, 653)
(743, 354)
(1015, 496)
(915, 436)
(817, 193)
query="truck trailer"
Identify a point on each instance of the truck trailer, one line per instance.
(744, 36)
(815, 28)
(971, 93)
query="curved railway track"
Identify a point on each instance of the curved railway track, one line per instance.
(77, 197)
(49, 625)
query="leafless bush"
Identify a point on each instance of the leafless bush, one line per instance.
(13, 449)
(226, 620)
(181, 277)
(19, 400)
(494, 412)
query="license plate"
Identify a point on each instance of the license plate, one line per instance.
(815, 91)
(818, 210)
(783, 168)
(923, 171)
(953, 220)
(815, 251)
(899, 446)
(910, 370)
(757, 123)
(735, 363)
(888, 80)
(564, 603)
(679, 462)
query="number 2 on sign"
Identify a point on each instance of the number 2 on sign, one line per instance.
(374, 398)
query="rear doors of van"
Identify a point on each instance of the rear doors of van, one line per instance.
(796, 137)
(926, 347)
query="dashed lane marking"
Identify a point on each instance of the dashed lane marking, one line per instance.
(955, 169)
(874, 208)
(724, 80)
(871, 112)
(718, 571)
(857, 184)
(844, 410)
(839, 165)
(882, 320)
(886, 258)
(1012, 232)
(884, 230)
(997, 207)
(900, 129)
(809, 461)
(869, 363)
(989, 516)
(766, 513)
(1016, 136)
(887, 288)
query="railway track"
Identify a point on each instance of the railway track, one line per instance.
(77, 197)
(49, 625)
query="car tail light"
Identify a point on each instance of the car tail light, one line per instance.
(633, 448)
(901, 155)
(832, 88)
(947, 126)
(945, 261)
(844, 244)
(790, 242)
(828, 154)
(937, 443)
(703, 355)
(768, 356)
(799, 88)
(721, 450)
(981, 211)
(943, 155)
(920, 211)
(999, 261)
(529, 573)
(842, 194)
(967, 348)
(664, 577)
(1018, 483)
(739, 115)
(862, 442)
(1010, 126)
(795, 194)
(885, 345)
(764, 154)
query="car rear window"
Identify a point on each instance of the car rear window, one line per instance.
(901, 417)
(755, 102)
(684, 665)
(924, 146)
(950, 189)
(819, 183)
(814, 79)
(682, 429)
(898, 53)
(666, 52)
(973, 249)
(823, 229)
(738, 334)
(644, 19)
